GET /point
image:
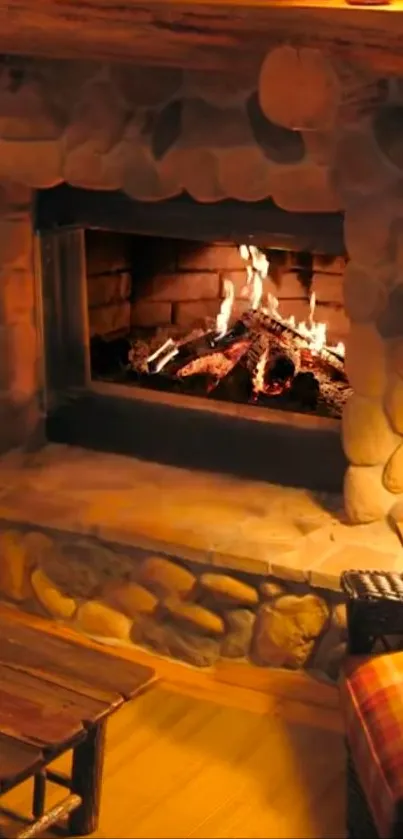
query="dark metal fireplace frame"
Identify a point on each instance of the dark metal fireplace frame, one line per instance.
(281, 447)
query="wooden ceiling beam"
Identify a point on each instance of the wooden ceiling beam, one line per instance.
(209, 34)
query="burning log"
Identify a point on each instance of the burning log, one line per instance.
(217, 364)
(162, 356)
(281, 369)
(280, 328)
(305, 390)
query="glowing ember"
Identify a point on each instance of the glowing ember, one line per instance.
(216, 364)
(224, 314)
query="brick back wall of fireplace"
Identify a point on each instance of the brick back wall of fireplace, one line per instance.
(138, 283)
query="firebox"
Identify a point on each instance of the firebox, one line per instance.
(204, 319)
(237, 333)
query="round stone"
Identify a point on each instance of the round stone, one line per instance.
(390, 321)
(199, 175)
(35, 163)
(198, 617)
(15, 566)
(54, 602)
(129, 598)
(224, 587)
(298, 87)
(99, 117)
(176, 641)
(237, 640)
(303, 188)
(166, 129)
(96, 618)
(388, 131)
(365, 360)
(367, 230)
(270, 589)
(339, 618)
(87, 169)
(395, 356)
(367, 436)
(358, 165)
(362, 91)
(364, 295)
(244, 173)
(394, 402)
(319, 146)
(145, 89)
(229, 87)
(287, 628)
(165, 577)
(393, 474)
(365, 497)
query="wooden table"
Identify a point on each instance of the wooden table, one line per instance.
(56, 695)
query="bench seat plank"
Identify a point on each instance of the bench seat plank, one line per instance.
(17, 761)
(84, 709)
(27, 718)
(49, 656)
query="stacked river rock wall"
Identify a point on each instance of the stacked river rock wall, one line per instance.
(186, 611)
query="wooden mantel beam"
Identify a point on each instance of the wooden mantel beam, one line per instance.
(210, 34)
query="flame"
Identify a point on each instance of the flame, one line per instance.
(313, 333)
(222, 319)
(339, 348)
(258, 383)
(257, 269)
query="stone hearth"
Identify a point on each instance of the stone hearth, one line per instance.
(192, 565)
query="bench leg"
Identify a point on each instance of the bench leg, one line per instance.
(86, 781)
(38, 807)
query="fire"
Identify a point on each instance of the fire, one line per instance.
(258, 382)
(257, 269)
(310, 336)
(223, 317)
(313, 333)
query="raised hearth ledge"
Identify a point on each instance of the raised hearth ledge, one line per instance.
(216, 520)
(272, 416)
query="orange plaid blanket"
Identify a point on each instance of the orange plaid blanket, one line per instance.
(372, 705)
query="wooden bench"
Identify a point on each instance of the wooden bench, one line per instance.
(56, 695)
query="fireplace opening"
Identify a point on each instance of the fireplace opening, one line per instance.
(224, 321)
(193, 335)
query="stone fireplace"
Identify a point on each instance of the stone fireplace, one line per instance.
(203, 528)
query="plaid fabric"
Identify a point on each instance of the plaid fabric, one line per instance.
(372, 704)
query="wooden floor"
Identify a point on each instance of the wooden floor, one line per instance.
(183, 766)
